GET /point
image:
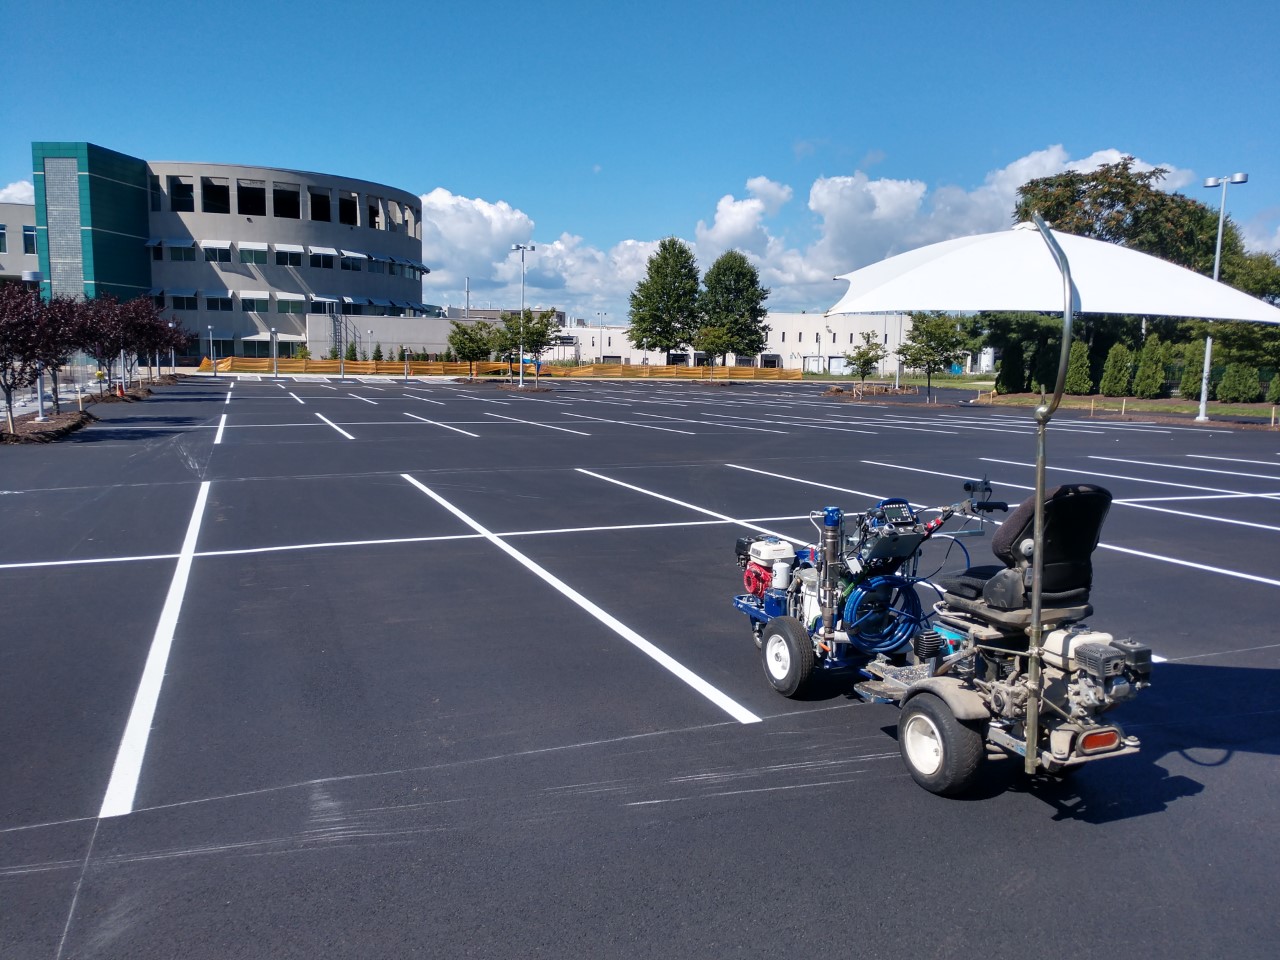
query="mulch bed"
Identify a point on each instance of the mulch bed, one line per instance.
(58, 425)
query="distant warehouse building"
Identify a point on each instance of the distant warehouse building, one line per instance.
(235, 251)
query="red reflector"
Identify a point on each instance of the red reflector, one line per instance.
(1099, 740)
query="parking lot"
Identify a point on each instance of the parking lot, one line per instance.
(373, 668)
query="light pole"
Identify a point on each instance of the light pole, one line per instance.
(213, 359)
(275, 356)
(522, 247)
(601, 316)
(173, 367)
(1217, 264)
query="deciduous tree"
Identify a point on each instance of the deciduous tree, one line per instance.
(19, 309)
(664, 305)
(732, 300)
(471, 342)
(933, 344)
(863, 360)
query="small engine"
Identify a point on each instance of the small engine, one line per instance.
(766, 562)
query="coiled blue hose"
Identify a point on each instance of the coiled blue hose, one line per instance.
(883, 630)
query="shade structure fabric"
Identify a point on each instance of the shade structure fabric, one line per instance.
(1014, 270)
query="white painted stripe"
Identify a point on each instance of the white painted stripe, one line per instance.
(1174, 466)
(936, 473)
(1113, 476)
(335, 426)
(32, 564)
(222, 425)
(1199, 516)
(228, 400)
(296, 397)
(481, 399)
(721, 700)
(793, 423)
(1185, 497)
(1262, 463)
(628, 423)
(445, 425)
(807, 483)
(535, 423)
(711, 423)
(439, 403)
(365, 399)
(123, 785)
(690, 506)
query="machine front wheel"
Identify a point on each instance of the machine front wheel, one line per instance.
(787, 654)
(942, 753)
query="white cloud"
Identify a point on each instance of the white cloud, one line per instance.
(21, 191)
(855, 220)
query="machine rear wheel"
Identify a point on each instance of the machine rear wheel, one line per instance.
(942, 753)
(787, 654)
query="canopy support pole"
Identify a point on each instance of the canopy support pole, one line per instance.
(1043, 414)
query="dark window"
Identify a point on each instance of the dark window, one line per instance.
(217, 303)
(322, 260)
(285, 258)
(321, 208)
(253, 256)
(784, 336)
(158, 301)
(182, 253)
(351, 263)
(251, 198)
(215, 195)
(377, 266)
(184, 303)
(348, 209)
(29, 240)
(157, 253)
(291, 306)
(286, 201)
(851, 338)
(251, 305)
(217, 254)
(800, 337)
(373, 220)
(182, 195)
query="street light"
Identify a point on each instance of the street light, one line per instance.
(275, 356)
(1217, 264)
(173, 367)
(213, 359)
(602, 315)
(522, 247)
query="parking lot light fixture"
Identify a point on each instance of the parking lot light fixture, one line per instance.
(522, 247)
(1212, 182)
(213, 359)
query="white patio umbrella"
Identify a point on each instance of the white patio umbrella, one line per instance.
(1014, 270)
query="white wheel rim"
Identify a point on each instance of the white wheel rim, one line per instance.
(777, 658)
(923, 744)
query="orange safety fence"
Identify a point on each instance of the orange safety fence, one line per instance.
(435, 368)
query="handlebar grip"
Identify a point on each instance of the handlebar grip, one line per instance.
(991, 505)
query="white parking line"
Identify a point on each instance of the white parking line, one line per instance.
(534, 423)
(482, 399)
(295, 396)
(628, 423)
(435, 423)
(335, 426)
(1115, 476)
(1261, 463)
(439, 403)
(222, 425)
(720, 699)
(123, 785)
(1174, 466)
(711, 423)
(365, 399)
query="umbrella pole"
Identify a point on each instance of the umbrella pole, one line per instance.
(1043, 414)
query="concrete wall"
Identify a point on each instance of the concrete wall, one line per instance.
(13, 262)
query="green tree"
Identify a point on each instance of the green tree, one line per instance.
(863, 360)
(302, 352)
(1116, 372)
(1273, 389)
(471, 341)
(664, 305)
(1012, 376)
(1192, 369)
(1079, 382)
(933, 344)
(732, 300)
(1239, 384)
(351, 351)
(19, 309)
(1148, 382)
(714, 342)
(535, 334)
(333, 352)
(377, 351)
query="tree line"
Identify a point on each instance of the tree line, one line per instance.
(42, 335)
(475, 341)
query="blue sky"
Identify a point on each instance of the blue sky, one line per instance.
(815, 136)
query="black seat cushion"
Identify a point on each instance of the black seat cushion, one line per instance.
(1073, 518)
(970, 583)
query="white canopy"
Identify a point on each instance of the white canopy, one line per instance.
(1014, 270)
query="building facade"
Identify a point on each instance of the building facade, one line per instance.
(18, 258)
(233, 252)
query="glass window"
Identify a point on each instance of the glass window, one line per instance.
(215, 195)
(158, 301)
(291, 306)
(351, 263)
(217, 254)
(218, 303)
(286, 258)
(286, 201)
(182, 253)
(348, 207)
(253, 256)
(377, 266)
(252, 305)
(374, 222)
(323, 306)
(182, 195)
(251, 199)
(29, 240)
(4, 240)
(322, 260)
(185, 303)
(157, 253)
(321, 207)
(784, 336)
(800, 337)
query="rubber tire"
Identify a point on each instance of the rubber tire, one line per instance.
(958, 748)
(786, 653)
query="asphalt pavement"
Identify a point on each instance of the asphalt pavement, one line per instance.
(382, 668)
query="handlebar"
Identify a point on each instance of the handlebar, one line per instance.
(990, 505)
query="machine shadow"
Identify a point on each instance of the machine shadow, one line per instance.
(1181, 721)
